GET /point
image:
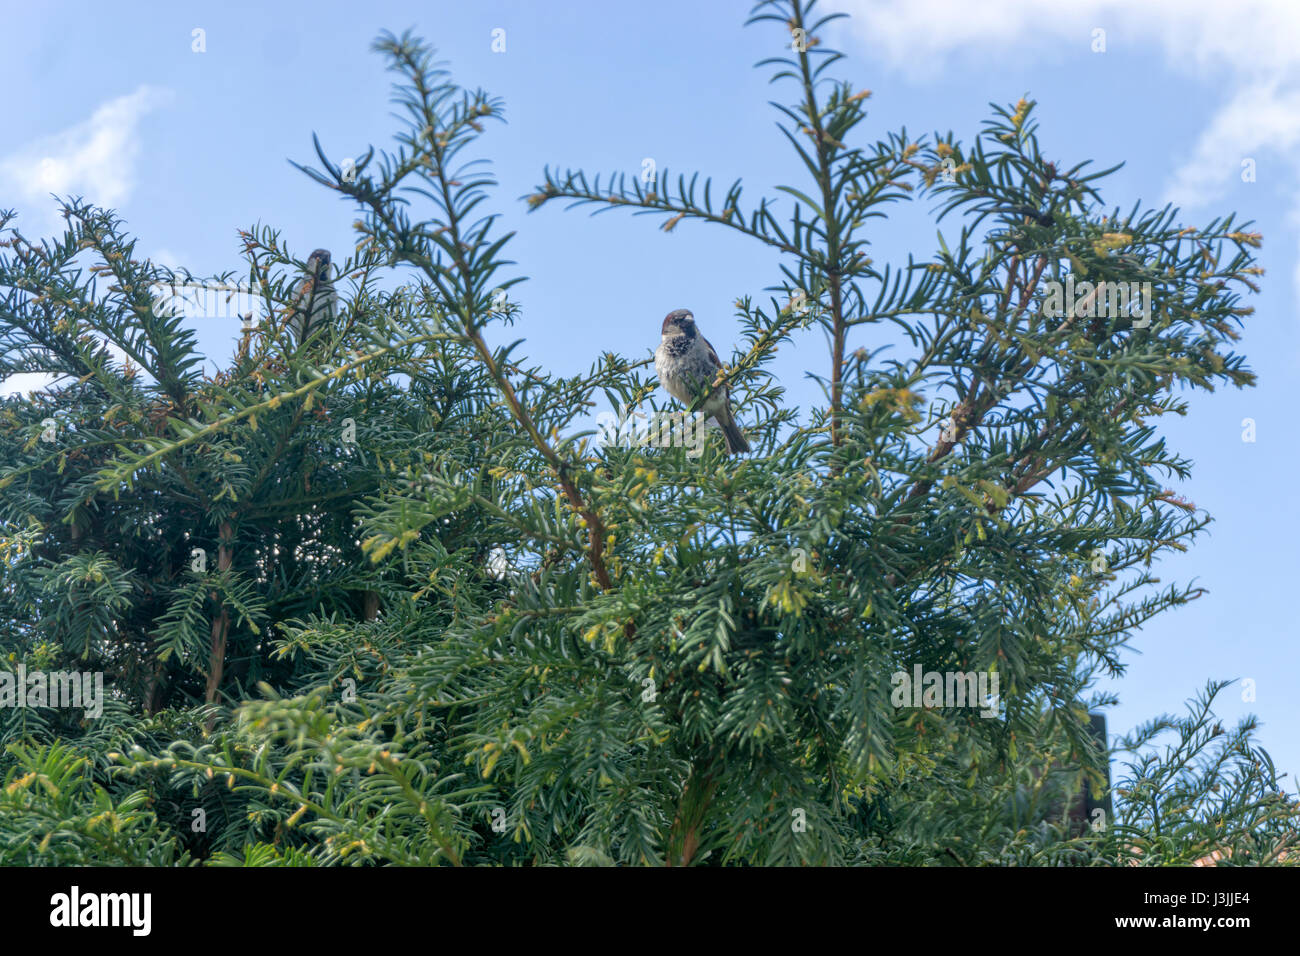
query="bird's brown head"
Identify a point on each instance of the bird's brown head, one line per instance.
(679, 322)
(319, 263)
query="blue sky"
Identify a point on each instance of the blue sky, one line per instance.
(113, 104)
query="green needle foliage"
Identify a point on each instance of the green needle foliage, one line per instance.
(384, 598)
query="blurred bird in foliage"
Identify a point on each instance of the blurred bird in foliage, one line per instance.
(316, 303)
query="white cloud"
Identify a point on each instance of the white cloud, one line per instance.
(1249, 48)
(25, 382)
(95, 158)
(1255, 38)
(164, 256)
(1259, 119)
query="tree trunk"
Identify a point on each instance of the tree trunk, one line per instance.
(220, 624)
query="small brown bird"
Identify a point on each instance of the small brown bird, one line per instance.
(316, 302)
(687, 364)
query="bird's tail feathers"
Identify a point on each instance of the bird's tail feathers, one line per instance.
(736, 443)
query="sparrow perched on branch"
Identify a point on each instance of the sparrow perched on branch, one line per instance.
(316, 302)
(687, 365)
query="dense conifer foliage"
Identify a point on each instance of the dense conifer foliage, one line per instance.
(391, 596)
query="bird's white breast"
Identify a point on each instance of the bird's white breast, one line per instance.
(665, 367)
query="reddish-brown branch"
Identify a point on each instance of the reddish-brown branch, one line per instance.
(697, 794)
(221, 623)
(969, 412)
(595, 527)
(840, 331)
(826, 147)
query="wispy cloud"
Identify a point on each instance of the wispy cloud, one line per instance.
(1260, 119)
(1248, 49)
(25, 382)
(95, 159)
(1252, 38)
